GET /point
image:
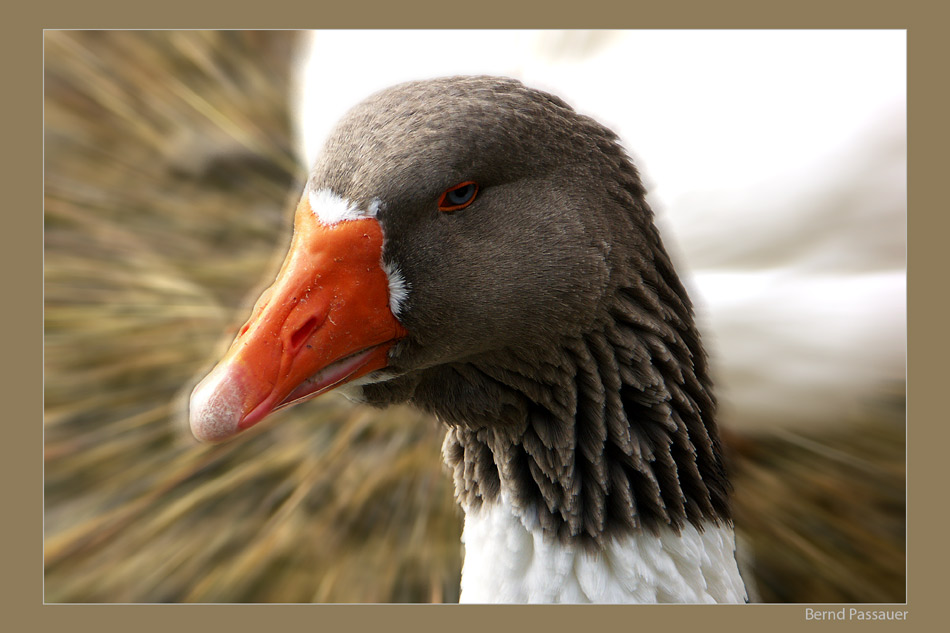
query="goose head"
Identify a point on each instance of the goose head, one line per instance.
(480, 250)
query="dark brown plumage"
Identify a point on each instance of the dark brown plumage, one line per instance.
(547, 327)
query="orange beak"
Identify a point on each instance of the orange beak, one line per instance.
(325, 321)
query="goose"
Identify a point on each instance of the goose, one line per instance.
(480, 250)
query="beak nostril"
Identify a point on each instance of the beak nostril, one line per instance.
(303, 332)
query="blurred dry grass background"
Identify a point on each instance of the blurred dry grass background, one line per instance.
(170, 176)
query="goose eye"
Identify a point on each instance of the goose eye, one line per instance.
(458, 197)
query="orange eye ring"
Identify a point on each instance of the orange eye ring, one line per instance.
(459, 196)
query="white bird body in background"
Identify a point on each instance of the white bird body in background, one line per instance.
(776, 164)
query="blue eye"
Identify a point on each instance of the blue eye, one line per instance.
(458, 197)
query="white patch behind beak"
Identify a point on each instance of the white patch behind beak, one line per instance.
(398, 288)
(331, 209)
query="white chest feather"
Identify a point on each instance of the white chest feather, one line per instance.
(507, 561)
